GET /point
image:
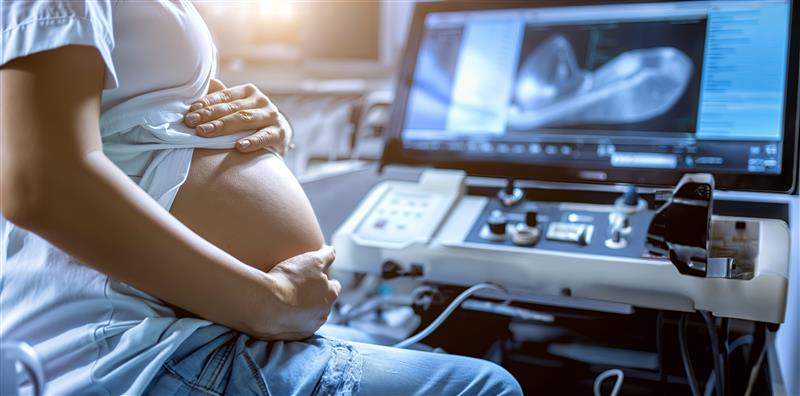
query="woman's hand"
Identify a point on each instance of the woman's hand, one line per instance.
(244, 107)
(305, 295)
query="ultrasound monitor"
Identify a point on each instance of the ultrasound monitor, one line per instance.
(615, 92)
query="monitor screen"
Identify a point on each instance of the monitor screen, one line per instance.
(634, 88)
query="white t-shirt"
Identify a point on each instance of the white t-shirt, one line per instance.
(97, 335)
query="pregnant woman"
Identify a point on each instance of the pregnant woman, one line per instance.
(124, 199)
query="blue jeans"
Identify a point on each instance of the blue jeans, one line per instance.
(219, 361)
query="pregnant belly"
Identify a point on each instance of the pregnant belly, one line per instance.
(250, 205)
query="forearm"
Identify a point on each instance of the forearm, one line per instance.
(92, 211)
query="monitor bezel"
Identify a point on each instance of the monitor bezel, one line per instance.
(395, 154)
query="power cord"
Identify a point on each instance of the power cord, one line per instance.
(446, 313)
(604, 376)
(375, 303)
(757, 353)
(687, 363)
(662, 374)
(716, 379)
(743, 340)
(718, 366)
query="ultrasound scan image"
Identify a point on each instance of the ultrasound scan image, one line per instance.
(637, 85)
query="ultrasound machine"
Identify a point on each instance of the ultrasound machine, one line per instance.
(609, 190)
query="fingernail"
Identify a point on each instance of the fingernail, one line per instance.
(206, 128)
(244, 144)
(192, 118)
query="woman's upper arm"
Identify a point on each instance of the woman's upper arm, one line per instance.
(50, 111)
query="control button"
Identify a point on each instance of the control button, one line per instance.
(771, 149)
(570, 232)
(579, 218)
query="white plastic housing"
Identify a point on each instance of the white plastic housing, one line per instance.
(437, 244)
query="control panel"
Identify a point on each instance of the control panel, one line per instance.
(401, 215)
(563, 227)
(624, 252)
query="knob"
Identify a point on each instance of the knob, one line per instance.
(630, 197)
(497, 225)
(616, 236)
(524, 235)
(531, 218)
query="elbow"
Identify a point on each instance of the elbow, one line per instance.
(35, 192)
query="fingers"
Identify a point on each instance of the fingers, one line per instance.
(324, 257)
(269, 137)
(210, 113)
(225, 95)
(229, 110)
(215, 85)
(335, 286)
(241, 120)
